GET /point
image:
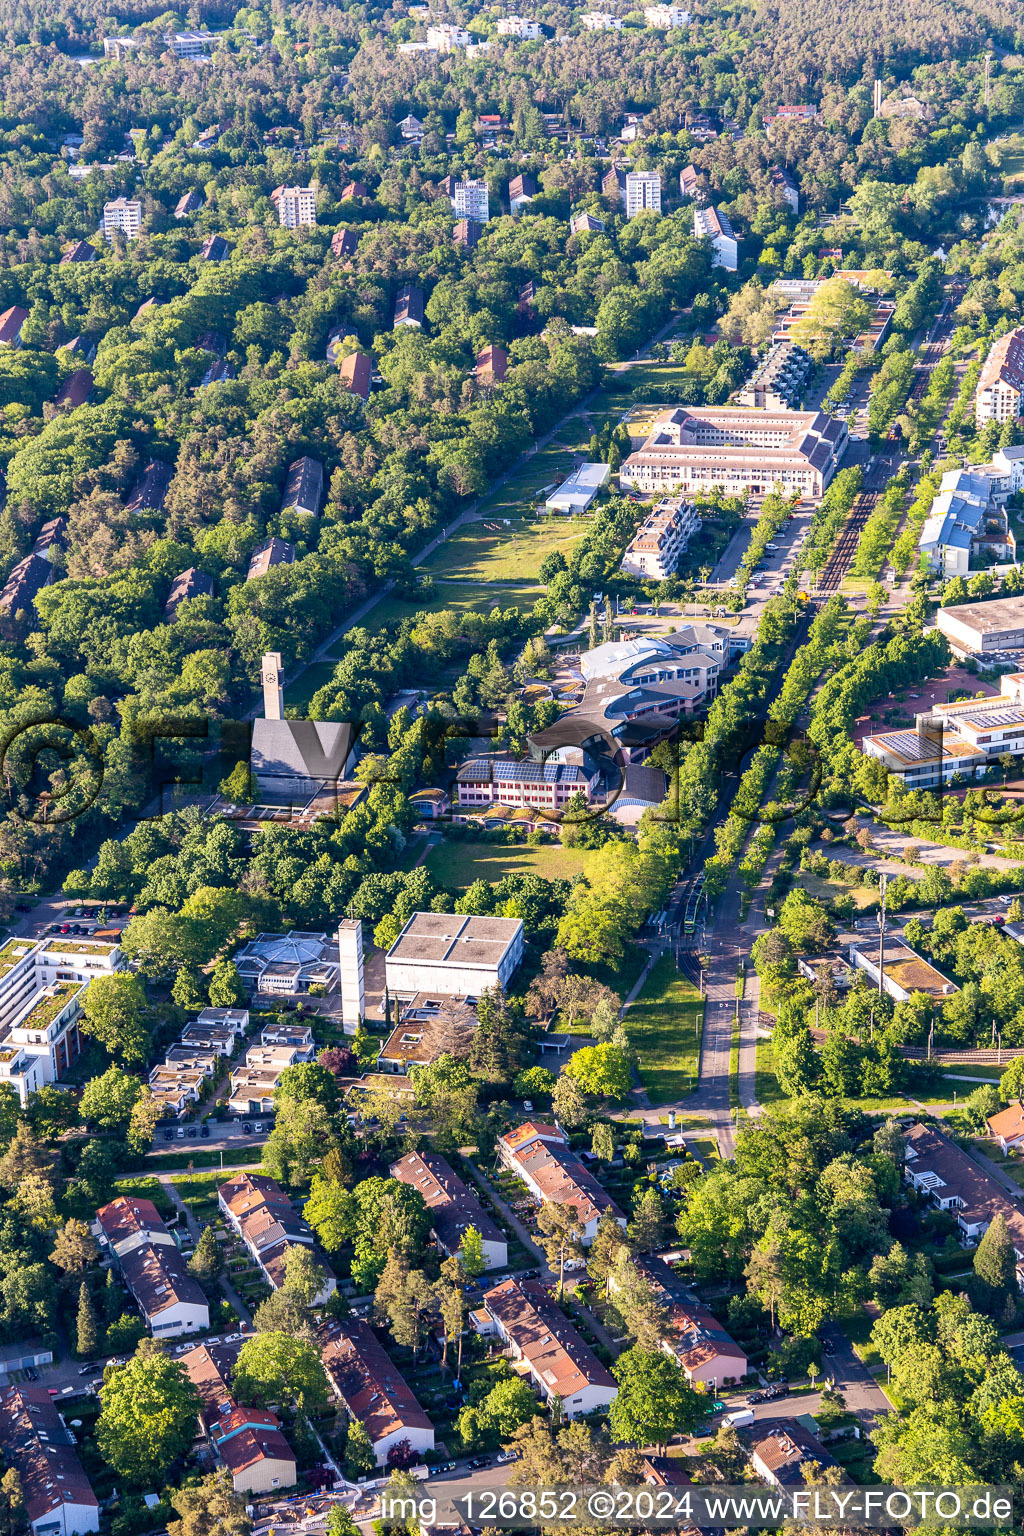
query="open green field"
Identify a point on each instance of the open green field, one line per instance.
(549, 466)
(478, 552)
(620, 388)
(462, 596)
(663, 1027)
(454, 865)
(300, 693)
(826, 890)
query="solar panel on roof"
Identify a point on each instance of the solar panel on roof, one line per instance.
(910, 745)
(995, 717)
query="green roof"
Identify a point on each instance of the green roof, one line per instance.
(13, 951)
(49, 1005)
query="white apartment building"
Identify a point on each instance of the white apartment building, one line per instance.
(518, 26)
(254, 1082)
(711, 224)
(1001, 383)
(42, 988)
(122, 214)
(446, 38)
(296, 206)
(470, 201)
(133, 1232)
(601, 21)
(668, 16)
(643, 193)
(188, 45)
(655, 549)
(545, 1346)
(741, 452)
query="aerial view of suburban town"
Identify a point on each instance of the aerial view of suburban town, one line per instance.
(512, 747)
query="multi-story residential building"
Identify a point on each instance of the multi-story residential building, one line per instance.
(643, 193)
(518, 26)
(600, 21)
(522, 189)
(668, 16)
(779, 380)
(373, 1390)
(265, 556)
(949, 1178)
(740, 452)
(122, 214)
(1001, 383)
(693, 1336)
(470, 201)
(37, 1444)
(11, 323)
(119, 48)
(151, 1264)
(258, 1209)
(296, 206)
(408, 307)
(304, 488)
(452, 955)
(546, 1346)
(453, 1206)
(254, 1082)
(188, 45)
(543, 786)
(712, 224)
(689, 186)
(249, 1442)
(802, 112)
(188, 202)
(783, 183)
(42, 989)
(539, 1155)
(446, 38)
(655, 549)
(967, 524)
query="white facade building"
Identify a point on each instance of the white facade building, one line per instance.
(578, 490)
(1000, 395)
(669, 16)
(643, 193)
(296, 206)
(122, 214)
(454, 955)
(601, 21)
(711, 224)
(470, 201)
(446, 38)
(546, 1346)
(655, 549)
(742, 452)
(518, 26)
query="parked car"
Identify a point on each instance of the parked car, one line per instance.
(828, 1346)
(478, 1462)
(192, 1133)
(90, 1370)
(258, 1127)
(168, 1135)
(181, 1133)
(204, 1129)
(247, 1128)
(506, 1456)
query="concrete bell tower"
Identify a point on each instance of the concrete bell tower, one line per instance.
(273, 691)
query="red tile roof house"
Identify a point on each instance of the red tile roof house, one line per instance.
(693, 1335)
(373, 1390)
(11, 322)
(452, 1205)
(780, 1454)
(248, 1441)
(491, 365)
(59, 1500)
(152, 1267)
(1007, 1127)
(538, 1334)
(269, 1225)
(539, 1155)
(75, 390)
(354, 372)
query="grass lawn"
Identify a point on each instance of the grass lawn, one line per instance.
(462, 596)
(766, 1084)
(477, 552)
(300, 693)
(617, 396)
(664, 1028)
(455, 865)
(862, 896)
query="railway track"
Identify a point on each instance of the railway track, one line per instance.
(845, 547)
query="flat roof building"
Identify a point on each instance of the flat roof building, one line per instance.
(740, 452)
(578, 489)
(454, 954)
(659, 543)
(904, 970)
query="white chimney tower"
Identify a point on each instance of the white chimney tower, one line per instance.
(877, 96)
(350, 962)
(273, 692)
